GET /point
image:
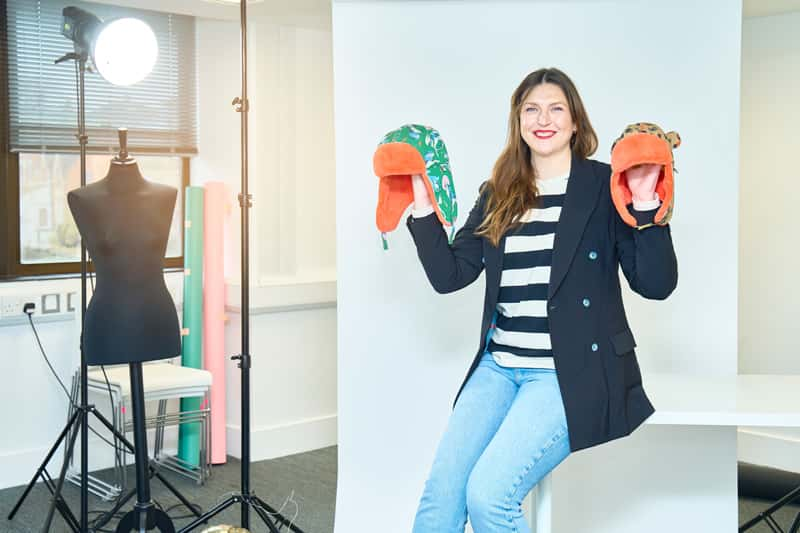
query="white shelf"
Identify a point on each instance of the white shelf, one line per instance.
(737, 400)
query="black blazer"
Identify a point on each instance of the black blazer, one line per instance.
(593, 347)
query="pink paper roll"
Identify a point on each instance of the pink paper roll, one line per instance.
(214, 311)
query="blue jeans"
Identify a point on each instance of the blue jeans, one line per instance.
(507, 431)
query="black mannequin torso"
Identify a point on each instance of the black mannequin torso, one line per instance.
(124, 221)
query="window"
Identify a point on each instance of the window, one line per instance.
(47, 233)
(39, 159)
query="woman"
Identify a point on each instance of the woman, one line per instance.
(556, 370)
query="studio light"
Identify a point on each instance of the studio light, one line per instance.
(124, 50)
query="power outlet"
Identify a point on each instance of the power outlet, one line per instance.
(11, 305)
(49, 307)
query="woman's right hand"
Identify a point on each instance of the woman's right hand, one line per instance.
(421, 199)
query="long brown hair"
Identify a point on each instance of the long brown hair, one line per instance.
(512, 186)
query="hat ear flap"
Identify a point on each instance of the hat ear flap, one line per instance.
(674, 139)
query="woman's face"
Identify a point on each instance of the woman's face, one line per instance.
(546, 121)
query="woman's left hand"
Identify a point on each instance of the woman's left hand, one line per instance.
(642, 181)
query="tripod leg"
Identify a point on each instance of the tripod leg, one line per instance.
(264, 517)
(43, 465)
(274, 513)
(63, 508)
(795, 525)
(81, 420)
(173, 490)
(210, 514)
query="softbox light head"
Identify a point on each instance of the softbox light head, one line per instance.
(80, 27)
(124, 50)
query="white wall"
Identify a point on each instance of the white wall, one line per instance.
(34, 406)
(292, 248)
(403, 349)
(768, 258)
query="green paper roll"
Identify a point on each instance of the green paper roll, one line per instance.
(192, 347)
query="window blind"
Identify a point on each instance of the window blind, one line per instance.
(160, 111)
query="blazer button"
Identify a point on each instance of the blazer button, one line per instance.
(592, 255)
(586, 302)
(594, 346)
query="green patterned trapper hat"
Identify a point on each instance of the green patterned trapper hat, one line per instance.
(408, 150)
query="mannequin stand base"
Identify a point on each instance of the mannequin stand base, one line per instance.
(131, 493)
(145, 517)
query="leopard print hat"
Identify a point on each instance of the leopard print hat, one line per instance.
(644, 142)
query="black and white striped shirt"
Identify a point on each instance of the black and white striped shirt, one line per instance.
(521, 336)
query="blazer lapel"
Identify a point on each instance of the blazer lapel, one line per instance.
(583, 188)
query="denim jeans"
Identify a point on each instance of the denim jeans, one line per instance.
(507, 431)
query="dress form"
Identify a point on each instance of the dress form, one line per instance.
(124, 221)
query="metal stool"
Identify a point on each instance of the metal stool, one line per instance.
(163, 381)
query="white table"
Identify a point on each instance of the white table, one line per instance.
(678, 470)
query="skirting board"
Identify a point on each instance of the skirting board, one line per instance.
(269, 442)
(778, 448)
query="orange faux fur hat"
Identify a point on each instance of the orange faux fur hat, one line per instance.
(640, 143)
(406, 151)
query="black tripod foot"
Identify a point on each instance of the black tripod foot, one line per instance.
(145, 518)
(273, 520)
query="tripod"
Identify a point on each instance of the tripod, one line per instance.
(246, 498)
(79, 420)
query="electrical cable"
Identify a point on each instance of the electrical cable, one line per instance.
(278, 512)
(61, 383)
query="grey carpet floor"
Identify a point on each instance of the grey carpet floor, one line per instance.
(751, 507)
(309, 479)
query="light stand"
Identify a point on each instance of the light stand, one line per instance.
(79, 419)
(246, 498)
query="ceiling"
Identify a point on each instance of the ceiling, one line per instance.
(227, 9)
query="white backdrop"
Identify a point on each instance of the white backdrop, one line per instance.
(403, 349)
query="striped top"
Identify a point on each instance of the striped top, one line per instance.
(521, 337)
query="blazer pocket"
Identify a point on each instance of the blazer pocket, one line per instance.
(623, 342)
